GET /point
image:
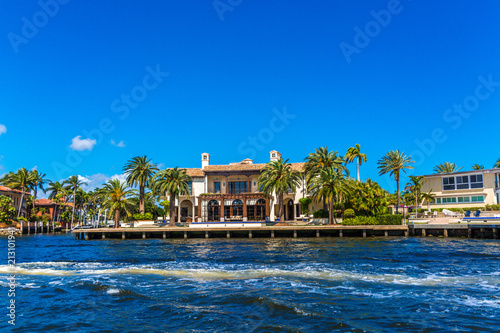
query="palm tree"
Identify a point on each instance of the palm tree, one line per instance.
(72, 184)
(429, 197)
(330, 185)
(19, 180)
(415, 187)
(56, 190)
(321, 159)
(279, 177)
(174, 182)
(497, 164)
(354, 153)
(116, 196)
(446, 167)
(140, 172)
(37, 182)
(393, 163)
(477, 167)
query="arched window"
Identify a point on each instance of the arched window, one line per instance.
(237, 209)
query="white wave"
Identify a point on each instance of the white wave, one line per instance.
(113, 291)
(249, 275)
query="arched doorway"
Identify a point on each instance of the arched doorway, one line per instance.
(186, 210)
(289, 211)
(213, 211)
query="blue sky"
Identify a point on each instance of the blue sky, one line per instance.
(238, 78)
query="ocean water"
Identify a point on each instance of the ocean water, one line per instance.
(392, 284)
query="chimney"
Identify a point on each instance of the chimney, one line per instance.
(205, 160)
(275, 155)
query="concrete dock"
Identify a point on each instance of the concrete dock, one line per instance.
(258, 232)
(476, 230)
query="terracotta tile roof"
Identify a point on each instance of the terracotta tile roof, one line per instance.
(8, 189)
(48, 202)
(194, 172)
(244, 167)
(234, 167)
(44, 202)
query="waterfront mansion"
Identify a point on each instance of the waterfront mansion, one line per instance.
(231, 193)
(464, 189)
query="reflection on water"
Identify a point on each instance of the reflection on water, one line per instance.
(257, 285)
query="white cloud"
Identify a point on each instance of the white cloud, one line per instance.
(3, 129)
(98, 179)
(120, 144)
(82, 144)
(122, 178)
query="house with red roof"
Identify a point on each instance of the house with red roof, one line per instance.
(16, 196)
(230, 192)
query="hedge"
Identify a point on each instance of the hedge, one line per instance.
(386, 219)
(143, 217)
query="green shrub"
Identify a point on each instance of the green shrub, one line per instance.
(349, 213)
(22, 219)
(360, 220)
(321, 214)
(386, 219)
(46, 218)
(304, 205)
(492, 207)
(143, 217)
(389, 219)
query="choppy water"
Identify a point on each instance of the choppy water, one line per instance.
(257, 285)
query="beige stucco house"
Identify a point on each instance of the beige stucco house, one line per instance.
(230, 192)
(475, 188)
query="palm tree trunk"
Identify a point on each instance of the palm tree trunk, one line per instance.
(281, 210)
(20, 202)
(331, 212)
(34, 196)
(74, 203)
(357, 168)
(397, 187)
(172, 211)
(117, 218)
(141, 199)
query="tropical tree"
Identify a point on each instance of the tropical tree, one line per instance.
(115, 196)
(72, 184)
(367, 198)
(354, 153)
(7, 211)
(19, 180)
(429, 197)
(37, 182)
(477, 167)
(446, 167)
(393, 163)
(497, 164)
(329, 185)
(57, 191)
(279, 177)
(175, 183)
(140, 172)
(415, 186)
(322, 159)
